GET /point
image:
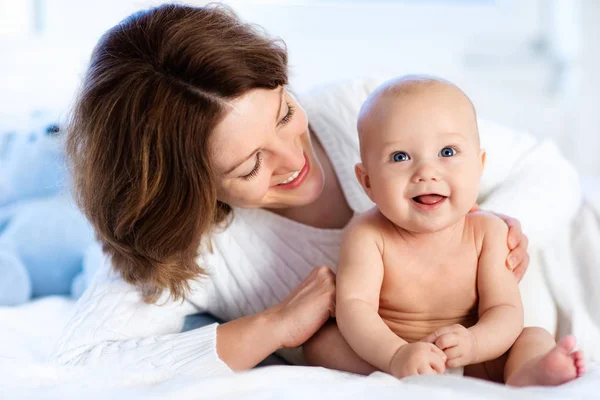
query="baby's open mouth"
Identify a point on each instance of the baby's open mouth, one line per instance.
(429, 199)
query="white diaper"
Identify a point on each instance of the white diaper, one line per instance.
(459, 371)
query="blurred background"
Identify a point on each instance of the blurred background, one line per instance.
(531, 64)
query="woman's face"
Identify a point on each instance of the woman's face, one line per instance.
(262, 153)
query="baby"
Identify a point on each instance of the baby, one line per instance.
(422, 285)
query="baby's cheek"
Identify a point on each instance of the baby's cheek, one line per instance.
(390, 193)
(466, 195)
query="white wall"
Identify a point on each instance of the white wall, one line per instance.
(524, 63)
(583, 132)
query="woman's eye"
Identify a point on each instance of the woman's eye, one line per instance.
(447, 152)
(288, 117)
(256, 168)
(400, 156)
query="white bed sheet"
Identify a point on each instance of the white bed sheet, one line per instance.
(28, 332)
(281, 382)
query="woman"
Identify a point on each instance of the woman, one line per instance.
(208, 191)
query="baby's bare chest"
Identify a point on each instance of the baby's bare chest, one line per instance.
(430, 281)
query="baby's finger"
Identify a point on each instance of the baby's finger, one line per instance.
(447, 340)
(437, 364)
(440, 353)
(425, 370)
(455, 362)
(432, 337)
(453, 353)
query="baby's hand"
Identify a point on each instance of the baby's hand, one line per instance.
(457, 342)
(417, 359)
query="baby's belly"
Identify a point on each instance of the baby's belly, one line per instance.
(414, 326)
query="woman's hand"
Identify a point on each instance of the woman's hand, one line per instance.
(518, 258)
(307, 308)
(244, 342)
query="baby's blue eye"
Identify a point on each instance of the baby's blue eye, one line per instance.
(400, 156)
(447, 152)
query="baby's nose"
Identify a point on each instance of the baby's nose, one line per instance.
(425, 173)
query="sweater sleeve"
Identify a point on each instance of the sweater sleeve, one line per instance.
(112, 325)
(529, 180)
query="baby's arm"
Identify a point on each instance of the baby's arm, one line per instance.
(358, 286)
(360, 275)
(500, 309)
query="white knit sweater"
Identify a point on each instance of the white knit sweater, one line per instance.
(261, 256)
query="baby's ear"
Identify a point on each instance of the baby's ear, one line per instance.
(363, 178)
(482, 155)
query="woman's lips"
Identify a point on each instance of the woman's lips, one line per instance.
(300, 178)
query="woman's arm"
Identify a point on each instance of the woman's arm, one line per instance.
(245, 342)
(112, 325)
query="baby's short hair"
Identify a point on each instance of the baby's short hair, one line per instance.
(405, 85)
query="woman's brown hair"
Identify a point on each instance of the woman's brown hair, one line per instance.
(137, 140)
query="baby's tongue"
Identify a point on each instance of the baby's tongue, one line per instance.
(429, 198)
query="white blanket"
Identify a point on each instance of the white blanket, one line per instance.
(572, 271)
(282, 382)
(27, 333)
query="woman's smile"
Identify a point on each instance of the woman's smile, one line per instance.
(297, 178)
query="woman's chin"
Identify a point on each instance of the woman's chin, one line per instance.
(312, 189)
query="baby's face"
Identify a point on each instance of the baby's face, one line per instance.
(422, 157)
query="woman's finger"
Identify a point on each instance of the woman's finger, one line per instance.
(517, 256)
(524, 242)
(520, 270)
(515, 232)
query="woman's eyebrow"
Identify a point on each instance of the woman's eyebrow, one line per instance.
(237, 164)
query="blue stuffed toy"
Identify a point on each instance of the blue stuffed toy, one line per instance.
(43, 236)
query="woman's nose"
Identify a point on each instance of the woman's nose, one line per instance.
(290, 155)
